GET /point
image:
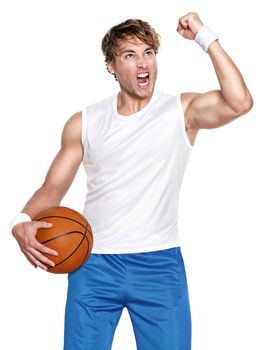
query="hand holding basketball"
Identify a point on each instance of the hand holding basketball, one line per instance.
(25, 234)
(58, 240)
(70, 235)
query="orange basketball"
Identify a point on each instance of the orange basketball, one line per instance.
(70, 235)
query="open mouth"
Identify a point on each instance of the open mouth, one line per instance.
(143, 79)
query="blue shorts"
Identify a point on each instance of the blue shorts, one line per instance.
(153, 288)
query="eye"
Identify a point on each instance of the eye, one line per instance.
(129, 56)
(149, 53)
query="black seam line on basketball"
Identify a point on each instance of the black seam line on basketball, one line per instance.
(82, 217)
(76, 212)
(61, 262)
(84, 259)
(69, 254)
(62, 235)
(60, 217)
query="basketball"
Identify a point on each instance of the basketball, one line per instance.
(70, 235)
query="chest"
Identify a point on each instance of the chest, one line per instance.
(153, 138)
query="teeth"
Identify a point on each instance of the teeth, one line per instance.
(143, 75)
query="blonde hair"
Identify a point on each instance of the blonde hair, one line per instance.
(129, 28)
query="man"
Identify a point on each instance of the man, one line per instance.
(135, 147)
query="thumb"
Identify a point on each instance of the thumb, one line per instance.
(180, 28)
(184, 29)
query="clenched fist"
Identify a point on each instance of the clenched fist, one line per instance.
(189, 25)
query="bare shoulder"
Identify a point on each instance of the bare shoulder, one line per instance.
(72, 128)
(187, 98)
(74, 121)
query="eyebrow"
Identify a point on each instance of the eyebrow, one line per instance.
(133, 51)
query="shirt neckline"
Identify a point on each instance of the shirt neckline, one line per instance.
(134, 115)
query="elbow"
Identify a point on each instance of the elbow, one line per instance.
(244, 104)
(247, 103)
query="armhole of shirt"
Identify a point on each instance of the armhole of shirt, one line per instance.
(83, 127)
(182, 119)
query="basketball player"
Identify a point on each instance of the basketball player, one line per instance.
(135, 147)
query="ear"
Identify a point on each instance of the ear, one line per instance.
(109, 66)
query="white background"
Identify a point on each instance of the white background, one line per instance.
(51, 67)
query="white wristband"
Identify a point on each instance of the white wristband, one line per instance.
(205, 37)
(21, 217)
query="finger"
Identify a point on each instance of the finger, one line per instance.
(181, 31)
(179, 27)
(37, 245)
(40, 259)
(44, 249)
(36, 263)
(183, 21)
(33, 243)
(186, 33)
(30, 259)
(41, 224)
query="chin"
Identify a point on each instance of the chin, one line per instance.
(145, 92)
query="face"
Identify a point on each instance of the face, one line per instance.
(135, 67)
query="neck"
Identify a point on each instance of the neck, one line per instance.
(128, 104)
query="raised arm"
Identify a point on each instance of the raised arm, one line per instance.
(58, 180)
(218, 107)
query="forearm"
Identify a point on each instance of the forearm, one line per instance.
(233, 88)
(45, 197)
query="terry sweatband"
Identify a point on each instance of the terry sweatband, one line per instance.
(21, 217)
(205, 37)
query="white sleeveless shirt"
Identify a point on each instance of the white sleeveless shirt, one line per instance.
(134, 166)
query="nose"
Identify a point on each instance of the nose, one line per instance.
(142, 62)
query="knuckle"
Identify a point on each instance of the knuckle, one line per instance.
(40, 247)
(31, 244)
(23, 250)
(34, 224)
